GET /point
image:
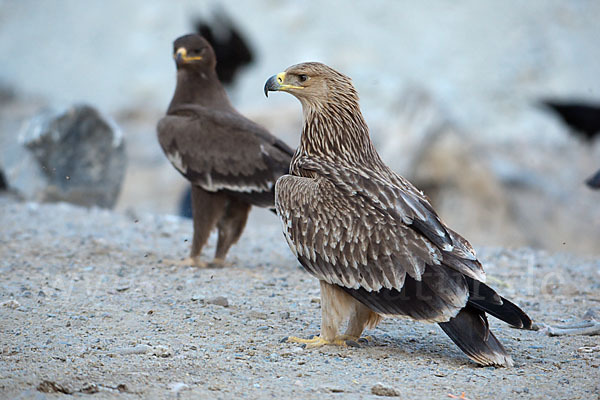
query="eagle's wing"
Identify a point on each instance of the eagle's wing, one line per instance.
(406, 207)
(359, 232)
(219, 150)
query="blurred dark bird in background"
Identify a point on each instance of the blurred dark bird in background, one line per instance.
(3, 185)
(231, 162)
(231, 48)
(594, 180)
(233, 52)
(582, 117)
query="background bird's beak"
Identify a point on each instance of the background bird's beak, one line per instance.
(272, 85)
(182, 57)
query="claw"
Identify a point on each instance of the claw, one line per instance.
(188, 262)
(318, 341)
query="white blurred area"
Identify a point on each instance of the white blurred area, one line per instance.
(472, 68)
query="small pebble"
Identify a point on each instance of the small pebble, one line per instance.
(12, 304)
(162, 351)
(218, 301)
(257, 314)
(139, 349)
(380, 390)
(284, 315)
(178, 386)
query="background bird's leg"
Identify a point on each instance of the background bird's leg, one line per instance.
(207, 209)
(231, 225)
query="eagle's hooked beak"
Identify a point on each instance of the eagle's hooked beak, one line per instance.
(181, 56)
(276, 83)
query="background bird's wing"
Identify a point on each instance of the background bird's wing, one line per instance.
(220, 150)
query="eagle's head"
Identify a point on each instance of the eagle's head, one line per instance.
(193, 52)
(313, 84)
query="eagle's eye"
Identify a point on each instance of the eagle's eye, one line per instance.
(302, 78)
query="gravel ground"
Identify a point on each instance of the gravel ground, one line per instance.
(90, 304)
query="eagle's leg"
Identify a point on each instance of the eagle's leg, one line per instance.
(359, 320)
(207, 209)
(230, 226)
(336, 307)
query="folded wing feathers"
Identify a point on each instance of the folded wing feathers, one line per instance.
(355, 240)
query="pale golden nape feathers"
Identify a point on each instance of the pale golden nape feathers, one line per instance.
(356, 225)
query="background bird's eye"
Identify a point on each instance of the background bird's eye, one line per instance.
(302, 78)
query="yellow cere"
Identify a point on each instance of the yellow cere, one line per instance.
(280, 78)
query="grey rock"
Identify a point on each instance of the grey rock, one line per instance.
(75, 155)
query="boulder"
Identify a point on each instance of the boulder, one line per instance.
(75, 155)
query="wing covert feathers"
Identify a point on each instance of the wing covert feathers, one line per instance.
(220, 150)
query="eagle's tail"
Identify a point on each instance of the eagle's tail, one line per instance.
(484, 298)
(470, 331)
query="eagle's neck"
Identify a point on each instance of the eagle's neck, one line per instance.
(337, 132)
(199, 87)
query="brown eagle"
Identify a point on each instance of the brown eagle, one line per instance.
(231, 162)
(372, 239)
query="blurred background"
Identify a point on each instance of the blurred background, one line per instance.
(465, 98)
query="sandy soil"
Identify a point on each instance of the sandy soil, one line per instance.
(90, 304)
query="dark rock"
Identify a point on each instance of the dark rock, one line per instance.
(75, 155)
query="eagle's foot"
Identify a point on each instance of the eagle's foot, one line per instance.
(318, 341)
(217, 263)
(187, 262)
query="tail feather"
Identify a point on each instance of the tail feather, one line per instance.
(486, 299)
(469, 330)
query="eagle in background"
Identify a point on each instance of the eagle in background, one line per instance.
(231, 162)
(233, 52)
(372, 239)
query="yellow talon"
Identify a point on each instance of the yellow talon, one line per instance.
(318, 341)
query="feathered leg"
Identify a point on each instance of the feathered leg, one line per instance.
(336, 307)
(231, 226)
(207, 209)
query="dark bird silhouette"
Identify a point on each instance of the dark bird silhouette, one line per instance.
(231, 162)
(231, 48)
(583, 118)
(594, 180)
(372, 239)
